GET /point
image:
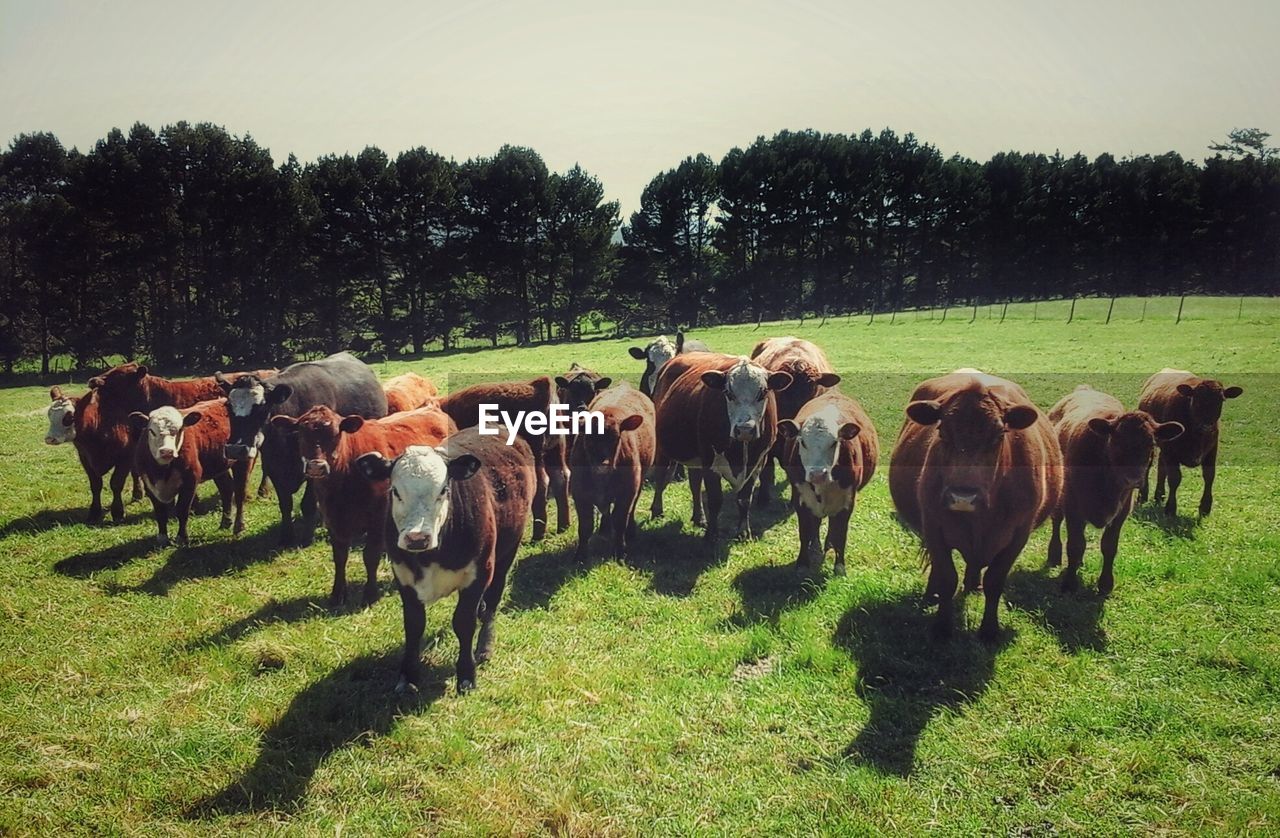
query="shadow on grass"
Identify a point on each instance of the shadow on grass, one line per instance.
(536, 578)
(906, 677)
(83, 565)
(349, 706)
(296, 610)
(48, 519)
(218, 557)
(674, 559)
(768, 590)
(1075, 619)
(1179, 526)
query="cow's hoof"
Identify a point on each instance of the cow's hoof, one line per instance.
(163, 541)
(466, 685)
(372, 593)
(224, 524)
(941, 629)
(839, 569)
(182, 541)
(238, 528)
(337, 598)
(1105, 585)
(1205, 508)
(1170, 511)
(406, 687)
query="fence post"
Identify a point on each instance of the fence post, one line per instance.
(1004, 311)
(1035, 310)
(1144, 310)
(1109, 308)
(894, 316)
(1072, 314)
(1181, 302)
(1240, 313)
(873, 316)
(945, 306)
(975, 312)
(824, 317)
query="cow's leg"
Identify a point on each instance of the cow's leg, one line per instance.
(621, 515)
(838, 535)
(559, 479)
(1055, 542)
(744, 510)
(715, 498)
(264, 485)
(226, 491)
(186, 502)
(415, 622)
(491, 600)
(807, 524)
(465, 616)
(764, 494)
(285, 501)
(239, 488)
(95, 490)
(1110, 545)
(1162, 467)
(993, 583)
(1075, 552)
(374, 547)
(1175, 480)
(631, 516)
(586, 525)
(310, 513)
(119, 475)
(662, 467)
(1209, 467)
(341, 550)
(161, 511)
(1144, 487)
(972, 577)
(539, 499)
(137, 494)
(942, 583)
(696, 479)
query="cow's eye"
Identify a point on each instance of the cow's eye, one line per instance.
(760, 397)
(395, 493)
(445, 490)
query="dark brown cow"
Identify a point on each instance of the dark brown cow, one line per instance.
(408, 391)
(100, 448)
(352, 506)
(176, 451)
(715, 414)
(608, 468)
(576, 388)
(830, 455)
(511, 397)
(811, 375)
(1106, 452)
(976, 468)
(1195, 402)
(458, 513)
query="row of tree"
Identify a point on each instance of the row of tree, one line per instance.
(192, 247)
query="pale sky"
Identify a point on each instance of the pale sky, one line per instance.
(628, 90)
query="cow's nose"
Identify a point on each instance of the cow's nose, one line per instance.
(745, 431)
(317, 468)
(819, 476)
(167, 453)
(416, 541)
(961, 499)
(50, 440)
(236, 452)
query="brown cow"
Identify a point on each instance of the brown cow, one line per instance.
(608, 468)
(830, 455)
(458, 513)
(176, 451)
(98, 451)
(715, 414)
(976, 468)
(811, 375)
(511, 397)
(1106, 452)
(1180, 396)
(408, 391)
(330, 445)
(576, 388)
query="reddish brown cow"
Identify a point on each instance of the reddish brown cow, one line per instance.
(976, 468)
(1195, 402)
(576, 388)
(830, 455)
(1105, 453)
(352, 506)
(512, 397)
(176, 451)
(716, 414)
(76, 419)
(408, 392)
(608, 468)
(811, 375)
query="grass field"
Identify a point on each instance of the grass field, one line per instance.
(208, 688)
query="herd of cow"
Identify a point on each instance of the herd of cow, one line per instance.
(976, 467)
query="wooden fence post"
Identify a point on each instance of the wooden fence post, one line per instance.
(1144, 310)
(1035, 310)
(945, 306)
(1072, 314)
(975, 313)
(1240, 312)
(1109, 308)
(1004, 311)
(1181, 302)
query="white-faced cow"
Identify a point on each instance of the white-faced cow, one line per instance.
(658, 352)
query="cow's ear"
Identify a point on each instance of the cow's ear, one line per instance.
(632, 422)
(828, 379)
(192, 418)
(778, 381)
(351, 424)
(849, 430)
(1233, 392)
(138, 420)
(1186, 390)
(95, 382)
(374, 466)
(279, 393)
(562, 382)
(714, 379)
(287, 424)
(603, 383)
(1167, 431)
(1020, 417)
(788, 428)
(142, 370)
(463, 466)
(1101, 426)
(924, 412)
(638, 353)
(55, 393)
(223, 382)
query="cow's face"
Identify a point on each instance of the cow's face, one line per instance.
(119, 382)
(746, 389)
(807, 382)
(602, 448)
(1206, 400)
(579, 387)
(419, 482)
(818, 442)
(1131, 441)
(655, 355)
(62, 417)
(249, 403)
(319, 431)
(164, 431)
(971, 429)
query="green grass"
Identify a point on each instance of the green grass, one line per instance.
(209, 689)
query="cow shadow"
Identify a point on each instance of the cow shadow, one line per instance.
(1074, 618)
(49, 519)
(84, 565)
(1178, 526)
(768, 590)
(272, 612)
(674, 559)
(535, 579)
(350, 706)
(906, 677)
(211, 558)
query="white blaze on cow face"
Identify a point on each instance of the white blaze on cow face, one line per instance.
(243, 399)
(746, 391)
(420, 497)
(164, 434)
(819, 444)
(61, 415)
(659, 353)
